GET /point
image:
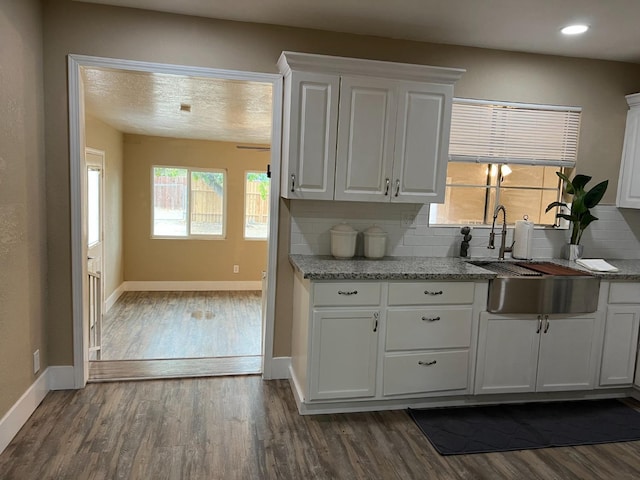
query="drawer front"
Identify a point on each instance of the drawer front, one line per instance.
(425, 372)
(430, 293)
(431, 327)
(349, 294)
(624, 292)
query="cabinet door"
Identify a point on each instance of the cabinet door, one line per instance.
(309, 139)
(421, 143)
(366, 130)
(620, 345)
(344, 347)
(568, 353)
(507, 354)
(629, 182)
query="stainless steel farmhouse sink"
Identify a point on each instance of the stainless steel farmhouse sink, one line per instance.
(540, 288)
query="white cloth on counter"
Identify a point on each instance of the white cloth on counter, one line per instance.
(596, 265)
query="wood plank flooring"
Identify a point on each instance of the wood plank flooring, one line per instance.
(247, 428)
(154, 325)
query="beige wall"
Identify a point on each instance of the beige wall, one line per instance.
(22, 200)
(73, 27)
(104, 137)
(188, 260)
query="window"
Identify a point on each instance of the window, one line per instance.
(188, 203)
(256, 205)
(506, 153)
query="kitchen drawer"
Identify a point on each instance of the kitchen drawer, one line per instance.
(425, 372)
(346, 294)
(431, 327)
(624, 292)
(430, 293)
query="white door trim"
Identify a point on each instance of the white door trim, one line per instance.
(76, 150)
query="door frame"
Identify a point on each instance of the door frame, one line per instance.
(101, 270)
(76, 150)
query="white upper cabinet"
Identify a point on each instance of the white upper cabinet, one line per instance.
(365, 130)
(311, 100)
(629, 181)
(422, 143)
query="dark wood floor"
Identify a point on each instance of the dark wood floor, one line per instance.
(247, 428)
(154, 325)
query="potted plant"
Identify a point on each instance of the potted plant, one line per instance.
(580, 215)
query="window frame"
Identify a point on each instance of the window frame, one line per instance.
(189, 235)
(244, 208)
(560, 160)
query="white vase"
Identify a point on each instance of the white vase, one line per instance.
(572, 252)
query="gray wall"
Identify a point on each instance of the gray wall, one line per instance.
(22, 207)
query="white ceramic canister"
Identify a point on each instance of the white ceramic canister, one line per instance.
(523, 238)
(343, 240)
(375, 242)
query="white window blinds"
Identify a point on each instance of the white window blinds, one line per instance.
(517, 133)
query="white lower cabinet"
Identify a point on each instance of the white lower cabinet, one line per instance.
(620, 335)
(344, 349)
(529, 353)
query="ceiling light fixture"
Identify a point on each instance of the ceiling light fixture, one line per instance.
(574, 29)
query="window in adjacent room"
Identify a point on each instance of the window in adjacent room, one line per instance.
(506, 153)
(188, 202)
(256, 206)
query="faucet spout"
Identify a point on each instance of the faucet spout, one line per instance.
(503, 233)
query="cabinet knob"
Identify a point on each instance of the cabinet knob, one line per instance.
(439, 292)
(539, 324)
(546, 325)
(386, 188)
(397, 187)
(293, 182)
(430, 319)
(375, 321)
(427, 364)
(351, 292)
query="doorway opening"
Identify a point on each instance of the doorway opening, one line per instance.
(185, 292)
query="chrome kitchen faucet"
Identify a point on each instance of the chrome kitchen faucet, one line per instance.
(503, 240)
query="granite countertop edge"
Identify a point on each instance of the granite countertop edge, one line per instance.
(326, 267)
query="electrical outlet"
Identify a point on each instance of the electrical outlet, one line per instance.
(236, 269)
(408, 220)
(36, 361)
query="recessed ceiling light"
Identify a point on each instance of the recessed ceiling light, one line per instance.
(574, 29)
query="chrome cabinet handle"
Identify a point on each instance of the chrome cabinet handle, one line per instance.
(375, 321)
(293, 182)
(397, 187)
(546, 325)
(439, 292)
(427, 364)
(352, 292)
(539, 324)
(430, 319)
(386, 188)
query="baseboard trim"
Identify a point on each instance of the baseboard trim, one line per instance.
(20, 412)
(280, 368)
(113, 298)
(190, 286)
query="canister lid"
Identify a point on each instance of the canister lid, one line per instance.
(343, 228)
(375, 230)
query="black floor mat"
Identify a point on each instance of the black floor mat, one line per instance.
(463, 430)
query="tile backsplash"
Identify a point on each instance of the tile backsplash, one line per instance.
(615, 235)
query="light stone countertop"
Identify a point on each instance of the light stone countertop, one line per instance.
(325, 267)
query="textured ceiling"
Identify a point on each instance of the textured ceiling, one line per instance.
(519, 25)
(149, 104)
